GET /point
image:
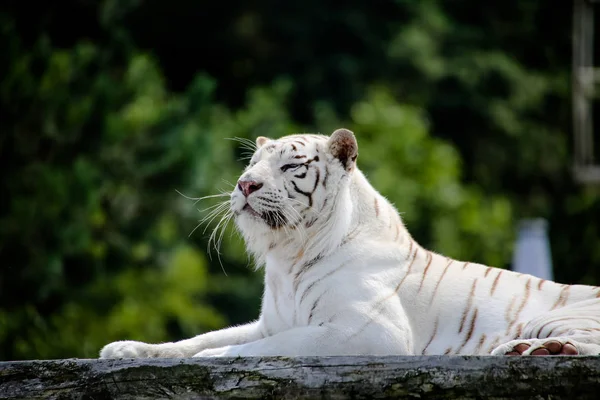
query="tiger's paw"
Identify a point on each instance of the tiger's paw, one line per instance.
(126, 349)
(545, 347)
(133, 349)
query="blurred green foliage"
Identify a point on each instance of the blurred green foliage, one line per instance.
(461, 112)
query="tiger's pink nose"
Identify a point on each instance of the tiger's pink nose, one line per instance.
(248, 187)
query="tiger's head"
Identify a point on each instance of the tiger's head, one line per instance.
(294, 191)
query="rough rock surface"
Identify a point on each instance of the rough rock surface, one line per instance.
(439, 377)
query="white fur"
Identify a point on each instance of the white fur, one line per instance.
(344, 277)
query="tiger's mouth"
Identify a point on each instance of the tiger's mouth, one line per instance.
(275, 219)
(251, 210)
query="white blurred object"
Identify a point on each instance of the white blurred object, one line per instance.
(532, 250)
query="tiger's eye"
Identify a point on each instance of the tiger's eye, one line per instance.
(290, 166)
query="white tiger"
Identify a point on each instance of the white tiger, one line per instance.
(344, 277)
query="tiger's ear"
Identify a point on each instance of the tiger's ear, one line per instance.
(342, 145)
(261, 140)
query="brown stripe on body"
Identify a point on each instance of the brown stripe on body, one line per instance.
(425, 271)
(525, 297)
(470, 332)
(469, 305)
(465, 265)
(435, 328)
(543, 326)
(562, 298)
(541, 283)
(519, 330)
(311, 286)
(407, 272)
(487, 271)
(482, 339)
(522, 305)
(568, 328)
(509, 308)
(495, 284)
(305, 267)
(437, 285)
(376, 207)
(553, 320)
(409, 249)
(314, 306)
(351, 235)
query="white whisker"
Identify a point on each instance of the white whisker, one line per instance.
(246, 144)
(214, 214)
(228, 183)
(194, 230)
(222, 225)
(197, 199)
(213, 206)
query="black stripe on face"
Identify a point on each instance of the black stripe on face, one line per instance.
(318, 172)
(287, 190)
(307, 194)
(316, 159)
(268, 200)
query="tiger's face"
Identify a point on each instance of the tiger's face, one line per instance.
(289, 181)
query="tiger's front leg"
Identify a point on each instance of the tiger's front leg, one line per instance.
(184, 348)
(311, 340)
(325, 340)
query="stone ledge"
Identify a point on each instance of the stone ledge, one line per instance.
(440, 377)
